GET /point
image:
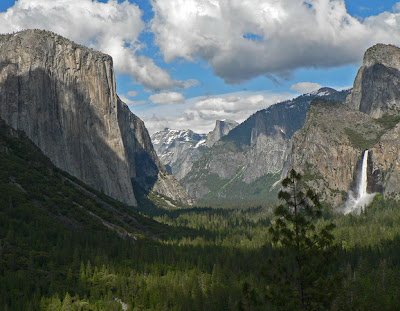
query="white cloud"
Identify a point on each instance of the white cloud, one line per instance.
(305, 87)
(203, 111)
(167, 98)
(112, 27)
(130, 102)
(189, 83)
(132, 93)
(242, 39)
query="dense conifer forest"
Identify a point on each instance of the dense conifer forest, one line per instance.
(56, 253)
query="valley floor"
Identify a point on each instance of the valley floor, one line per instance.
(205, 259)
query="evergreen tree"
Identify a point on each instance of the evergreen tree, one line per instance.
(301, 279)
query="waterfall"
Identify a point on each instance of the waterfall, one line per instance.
(362, 185)
(363, 197)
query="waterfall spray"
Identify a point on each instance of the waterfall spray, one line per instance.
(363, 197)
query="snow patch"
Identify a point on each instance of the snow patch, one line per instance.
(200, 143)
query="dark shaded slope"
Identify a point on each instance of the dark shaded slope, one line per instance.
(51, 223)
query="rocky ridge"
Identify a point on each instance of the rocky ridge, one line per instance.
(63, 96)
(244, 166)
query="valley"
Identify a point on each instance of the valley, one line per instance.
(96, 214)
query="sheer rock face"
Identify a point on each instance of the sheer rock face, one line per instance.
(384, 164)
(63, 96)
(222, 128)
(179, 149)
(376, 88)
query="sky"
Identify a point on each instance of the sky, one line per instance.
(184, 64)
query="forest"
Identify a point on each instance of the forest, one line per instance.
(225, 260)
(56, 253)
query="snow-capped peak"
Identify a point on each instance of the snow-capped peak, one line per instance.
(324, 91)
(171, 136)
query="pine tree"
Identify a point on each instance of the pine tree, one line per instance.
(302, 279)
(67, 303)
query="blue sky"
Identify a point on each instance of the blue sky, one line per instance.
(185, 63)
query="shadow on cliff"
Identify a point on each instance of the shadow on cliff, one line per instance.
(61, 119)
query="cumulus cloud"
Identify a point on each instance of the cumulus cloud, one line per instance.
(167, 98)
(111, 27)
(249, 38)
(203, 112)
(305, 87)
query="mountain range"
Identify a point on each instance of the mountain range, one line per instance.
(322, 135)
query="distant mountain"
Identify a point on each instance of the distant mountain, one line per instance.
(63, 96)
(179, 149)
(244, 166)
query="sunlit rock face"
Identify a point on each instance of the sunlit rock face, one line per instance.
(63, 96)
(329, 148)
(376, 88)
(222, 128)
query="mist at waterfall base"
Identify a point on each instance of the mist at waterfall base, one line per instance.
(356, 204)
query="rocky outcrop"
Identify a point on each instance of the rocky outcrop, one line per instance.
(327, 150)
(222, 128)
(267, 156)
(63, 96)
(376, 88)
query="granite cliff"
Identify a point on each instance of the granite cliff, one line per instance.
(328, 150)
(376, 90)
(222, 128)
(63, 96)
